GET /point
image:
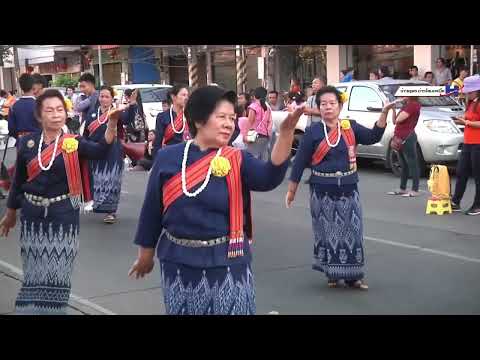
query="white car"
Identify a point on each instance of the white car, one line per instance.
(152, 95)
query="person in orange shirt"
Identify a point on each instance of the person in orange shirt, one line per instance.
(10, 100)
(469, 161)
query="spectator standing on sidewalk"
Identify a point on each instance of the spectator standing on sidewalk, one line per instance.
(413, 72)
(373, 75)
(458, 82)
(317, 84)
(274, 102)
(469, 161)
(429, 77)
(39, 83)
(442, 74)
(405, 123)
(384, 73)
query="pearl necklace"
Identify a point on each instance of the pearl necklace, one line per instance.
(326, 134)
(184, 175)
(39, 154)
(106, 118)
(173, 124)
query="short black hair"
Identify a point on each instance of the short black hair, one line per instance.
(202, 104)
(414, 67)
(273, 92)
(247, 96)
(128, 92)
(71, 87)
(109, 88)
(87, 77)
(328, 90)
(3, 93)
(385, 70)
(26, 82)
(428, 73)
(39, 79)
(49, 93)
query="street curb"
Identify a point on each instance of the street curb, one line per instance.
(76, 303)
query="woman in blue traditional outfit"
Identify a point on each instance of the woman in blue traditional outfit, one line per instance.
(197, 208)
(106, 174)
(49, 190)
(334, 201)
(171, 126)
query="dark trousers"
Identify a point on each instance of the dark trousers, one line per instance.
(409, 163)
(468, 165)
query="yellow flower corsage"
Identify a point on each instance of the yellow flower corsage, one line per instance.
(345, 124)
(220, 166)
(70, 145)
(344, 97)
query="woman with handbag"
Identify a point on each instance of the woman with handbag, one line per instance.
(106, 173)
(260, 125)
(48, 188)
(329, 149)
(197, 209)
(404, 141)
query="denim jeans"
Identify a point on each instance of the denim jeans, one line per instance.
(409, 163)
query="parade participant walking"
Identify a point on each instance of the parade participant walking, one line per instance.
(171, 126)
(260, 125)
(48, 188)
(469, 161)
(106, 173)
(198, 200)
(405, 142)
(21, 119)
(334, 199)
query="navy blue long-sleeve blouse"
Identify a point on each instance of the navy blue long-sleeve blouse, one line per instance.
(336, 159)
(201, 218)
(49, 183)
(163, 120)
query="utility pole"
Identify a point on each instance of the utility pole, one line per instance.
(17, 68)
(100, 69)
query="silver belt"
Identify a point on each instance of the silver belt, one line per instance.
(196, 243)
(335, 174)
(45, 202)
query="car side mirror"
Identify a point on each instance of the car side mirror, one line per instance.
(374, 109)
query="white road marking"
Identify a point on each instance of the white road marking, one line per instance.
(416, 247)
(77, 298)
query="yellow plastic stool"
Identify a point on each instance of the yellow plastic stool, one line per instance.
(439, 207)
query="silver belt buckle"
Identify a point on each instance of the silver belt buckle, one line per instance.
(45, 202)
(338, 173)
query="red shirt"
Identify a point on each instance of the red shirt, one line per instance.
(406, 127)
(472, 135)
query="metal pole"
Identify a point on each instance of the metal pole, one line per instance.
(17, 69)
(100, 70)
(2, 84)
(471, 59)
(208, 55)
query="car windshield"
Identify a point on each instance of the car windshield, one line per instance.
(390, 90)
(153, 95)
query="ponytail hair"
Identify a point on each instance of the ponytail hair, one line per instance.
(260, 94)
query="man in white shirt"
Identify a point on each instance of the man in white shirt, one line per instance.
(317, 84)
(413, 71)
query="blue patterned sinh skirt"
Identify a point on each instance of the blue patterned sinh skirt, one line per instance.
(338, 234)
(225, 290)
(48, 247)
(107, 180)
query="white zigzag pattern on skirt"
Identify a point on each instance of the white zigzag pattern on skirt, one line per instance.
(47, 256)
(107, 186)
(338, 235)
(227, 299)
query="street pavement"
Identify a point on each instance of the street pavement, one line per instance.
(415, 263)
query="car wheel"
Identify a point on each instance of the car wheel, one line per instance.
(393, 163)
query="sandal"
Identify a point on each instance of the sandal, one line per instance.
(357, 284)
(412, 194)
(332, 283)
(397, 192)
(110, 219)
